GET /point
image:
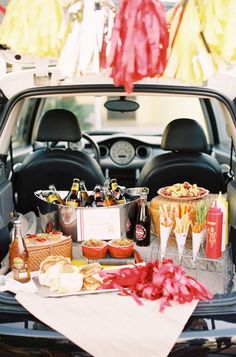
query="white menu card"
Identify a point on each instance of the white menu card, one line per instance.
(98, 224)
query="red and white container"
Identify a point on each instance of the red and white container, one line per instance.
(214, 233)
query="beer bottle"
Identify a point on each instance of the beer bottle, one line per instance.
(19, 257)
(83, 193)
(109, 199)
(98, 196)
(72, 199)
(113, 185)
(117, 192)
(120, 198)
(143, 223)
(54, 196)
(90, 201)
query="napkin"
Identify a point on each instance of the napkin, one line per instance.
(7, 283)
(108, 324)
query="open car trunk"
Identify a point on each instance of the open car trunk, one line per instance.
(223, 305)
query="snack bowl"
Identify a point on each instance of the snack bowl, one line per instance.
(94, 249)
(120, 248)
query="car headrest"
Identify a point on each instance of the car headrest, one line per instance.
(184, 135)
(59, 125)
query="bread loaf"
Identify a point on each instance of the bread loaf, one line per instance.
(51, 260)
(59, 274)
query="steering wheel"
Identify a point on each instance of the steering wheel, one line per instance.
(94, 145)
(80, 146)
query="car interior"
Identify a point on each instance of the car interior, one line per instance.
(186, 160)
(155, 137)
(144, 141)
(55, 165)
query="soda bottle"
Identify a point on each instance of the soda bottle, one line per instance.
(143, 223)
(73, 199)
(83, 193)
(54, 196)
(131, 221)
(19, 257)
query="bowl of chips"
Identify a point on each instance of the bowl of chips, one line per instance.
(94, 249)
(121, 248)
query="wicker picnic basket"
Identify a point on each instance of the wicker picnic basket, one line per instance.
(40, 252)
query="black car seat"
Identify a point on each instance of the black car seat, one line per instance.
(186, 160)
(52, 165)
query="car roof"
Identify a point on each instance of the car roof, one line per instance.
(13, 82)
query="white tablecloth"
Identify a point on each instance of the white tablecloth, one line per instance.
(109, 325)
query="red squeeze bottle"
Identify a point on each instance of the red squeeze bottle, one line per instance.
(214, 232)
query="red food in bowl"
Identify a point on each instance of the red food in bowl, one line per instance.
(121, 248)
(94, 249)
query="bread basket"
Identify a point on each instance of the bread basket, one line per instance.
(37, 253)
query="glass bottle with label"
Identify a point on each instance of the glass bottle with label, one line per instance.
(143, 223)
(116, 190)
(19, 257)
(131, 220)
(73, 199)
(90, 201)
(54, 196)
(83, 193)
(109, 199)
(98, 196)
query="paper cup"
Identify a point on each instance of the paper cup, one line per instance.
(164, 236)
(197, 240)
(181, 240)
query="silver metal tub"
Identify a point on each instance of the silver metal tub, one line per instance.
(86, 222)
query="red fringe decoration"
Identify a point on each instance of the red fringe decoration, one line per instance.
(157, 280)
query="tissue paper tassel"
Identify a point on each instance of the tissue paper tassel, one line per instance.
(31, 27)
(85, 45)
(139, 42)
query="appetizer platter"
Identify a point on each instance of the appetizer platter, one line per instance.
(46, 292)
(183, 192)
(58, 277)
